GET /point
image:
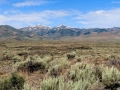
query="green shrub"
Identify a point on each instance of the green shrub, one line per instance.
(52, 84)
(82, 71)
(17, 59)
(7, 55)
(15, 82)
(26, 87)
(29, 66)
(81, 85)
(54, 71)
(59, 83)
(58, 66)
(71, 55)
(83, 76)
(33, 64)
(110, 76)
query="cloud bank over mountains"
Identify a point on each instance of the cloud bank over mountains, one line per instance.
(17, 17)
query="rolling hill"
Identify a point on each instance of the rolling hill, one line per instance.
(10, 33)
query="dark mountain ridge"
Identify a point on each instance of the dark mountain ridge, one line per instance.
(58, 32)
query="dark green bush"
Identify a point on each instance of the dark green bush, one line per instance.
(30, 66)
(14, 82)
(33, 63)
(71, 55)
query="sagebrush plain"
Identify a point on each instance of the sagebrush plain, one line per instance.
(59, 65)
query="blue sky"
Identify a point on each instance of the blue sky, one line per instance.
(75, 13)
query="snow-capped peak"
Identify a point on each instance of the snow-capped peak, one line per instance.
(42, 26)
(62, 27)
(37, 27)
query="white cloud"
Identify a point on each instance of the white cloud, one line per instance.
(32, 3)
(45, 17)
(101, 18)
(3, 19)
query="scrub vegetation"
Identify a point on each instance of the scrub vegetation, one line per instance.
(59, 65)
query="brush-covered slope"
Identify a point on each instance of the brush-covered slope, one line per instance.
(8, 32)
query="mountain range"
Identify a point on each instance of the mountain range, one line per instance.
(62, 32)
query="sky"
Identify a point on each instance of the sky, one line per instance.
(74, 13)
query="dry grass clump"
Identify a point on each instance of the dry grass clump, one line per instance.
(113, 62)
